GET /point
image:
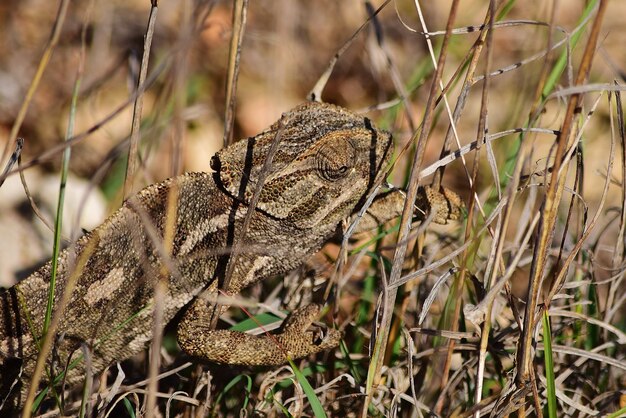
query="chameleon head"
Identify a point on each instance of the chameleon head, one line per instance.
(327, 161)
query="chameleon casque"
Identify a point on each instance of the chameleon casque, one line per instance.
(326, 164)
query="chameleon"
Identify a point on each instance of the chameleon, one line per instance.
(182, 232)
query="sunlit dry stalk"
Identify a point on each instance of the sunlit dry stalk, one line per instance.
(374, 372)
(499, 239)
(494, 260)
(160, 293)
(618, 252)
(550, 208)
(239, 240)
(135, 132)
(560, 277)
(457, 286)
(240, 11)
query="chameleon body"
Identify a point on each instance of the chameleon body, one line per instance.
(181, 232)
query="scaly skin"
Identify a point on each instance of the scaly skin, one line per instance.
(327, 162)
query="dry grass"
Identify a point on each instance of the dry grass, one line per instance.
(432, 321)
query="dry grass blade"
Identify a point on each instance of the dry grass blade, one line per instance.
(619, 244)
(160, 294)
(482, 132)
(550, 206)
(431, 169)
(374, 372)
(262, 176)
(15, 158)
(560, 277)
(135, 132)
(433, 266)
(240, 10)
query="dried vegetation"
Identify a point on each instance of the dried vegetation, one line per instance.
(520, 309)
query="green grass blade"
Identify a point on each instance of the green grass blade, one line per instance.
(617, 414)
(129, 408)
(561, 63)
(58, 222)
(256, 321)
(549, 365)
(232, 384)
(316, 405)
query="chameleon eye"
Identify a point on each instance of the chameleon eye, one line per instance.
(335, 160)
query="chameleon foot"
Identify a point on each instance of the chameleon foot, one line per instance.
(232, 347)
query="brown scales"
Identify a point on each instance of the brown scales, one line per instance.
(327, 162)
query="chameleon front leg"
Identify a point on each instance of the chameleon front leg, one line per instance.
(445, 204)
(295, 340)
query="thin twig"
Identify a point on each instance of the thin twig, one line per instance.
(239, 240)
(240, 10)
(135, 132)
